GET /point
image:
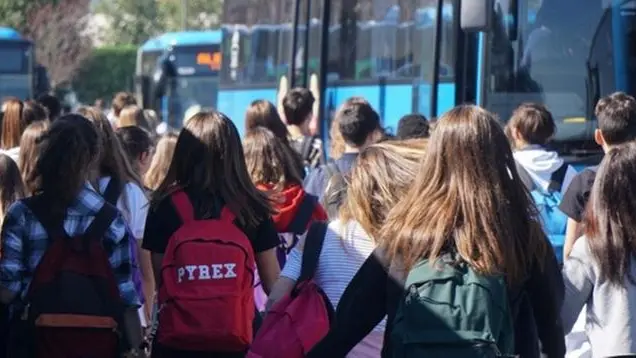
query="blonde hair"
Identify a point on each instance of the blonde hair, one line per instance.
(380, 178)
(160, 161)
(467, 198)
(132, 116)
(29, 151)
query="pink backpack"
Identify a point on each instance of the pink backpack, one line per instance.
(301, 318)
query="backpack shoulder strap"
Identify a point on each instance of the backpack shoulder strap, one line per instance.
(525, 177)
(307, 144)
(556, 180)
(113, 191)
(183, 206)
(54, 227)
(102, 221)
(311, 252)
(305, 211)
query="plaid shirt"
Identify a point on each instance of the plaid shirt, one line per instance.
(20, 224)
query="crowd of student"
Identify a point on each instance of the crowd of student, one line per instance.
(199, 244)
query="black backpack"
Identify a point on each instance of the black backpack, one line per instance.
(303, 146)
(335, 191)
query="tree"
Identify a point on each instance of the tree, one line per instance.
(14, 13)
(61, 41)
(201, 14)
(131, 21)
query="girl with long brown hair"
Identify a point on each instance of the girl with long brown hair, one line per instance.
(466, 201)
(160, 161)
(382, 175)
(263, 114)
(208, 170)
(120, 185)
(600, 271)
(13, 126)
(272, 167)
(29, 151)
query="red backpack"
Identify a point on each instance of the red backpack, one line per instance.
(206, 298)
(72, 307)
(301, 318)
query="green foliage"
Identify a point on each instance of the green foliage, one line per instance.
(201, 14)
(107, 71)
(132, 22)
(14, 13)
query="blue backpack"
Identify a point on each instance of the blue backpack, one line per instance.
(553, 220)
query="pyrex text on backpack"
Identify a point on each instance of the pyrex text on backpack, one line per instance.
(288, 241)
(451, 311)
(301, 318)
(553, 220)
(206, 298)
(72, 308)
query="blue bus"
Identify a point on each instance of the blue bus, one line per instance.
(18, 73)
(196, 59)
(405, 58)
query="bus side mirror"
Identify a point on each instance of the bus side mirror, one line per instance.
(476, 15)
(164, 72)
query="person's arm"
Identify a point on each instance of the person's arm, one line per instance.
(265, 244)
(572, 232)
(288, 277)
(579, 278)
(545, 290)
(139, 205)
(11, 262)
(362, 306)
(268, 268)
(148, 280)
(118, 247)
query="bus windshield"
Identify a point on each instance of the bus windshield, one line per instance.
(15, 70)
(559, 56)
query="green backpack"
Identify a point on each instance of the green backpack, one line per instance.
(452, 311)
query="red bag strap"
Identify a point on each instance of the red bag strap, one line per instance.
(184, 207)
(185, 210)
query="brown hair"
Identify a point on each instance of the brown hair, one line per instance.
(450, 209)
(209, 159)
(11, 186)
(12, 123)
(68, 153)
(34, 112)
(270, 161)
(382, 175)
(121, 101)
(263, 113)
(30, 152)
(534, 123)
(160, 161)
(113, 161)
(132, 116)
(610, 219)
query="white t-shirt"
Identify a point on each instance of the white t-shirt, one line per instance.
(133, 206)
(345, 249)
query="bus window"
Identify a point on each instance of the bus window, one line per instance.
(547, 62)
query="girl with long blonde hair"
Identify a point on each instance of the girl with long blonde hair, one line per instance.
(383, 174)
(160, 161)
